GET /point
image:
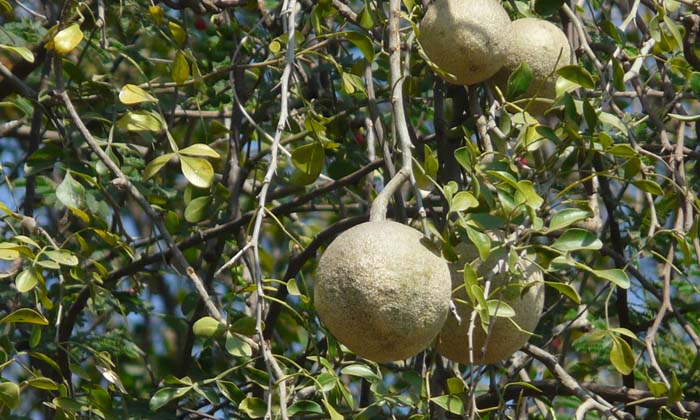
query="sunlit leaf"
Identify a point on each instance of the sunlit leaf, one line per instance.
(565, 290)
(181, 68)
(26, 280)
(198, 171)
(67, 39)
(207, 327)
(578, 75)
(24, 316)
(615, 276)
(567, 217)
(178, 33)
(63, 257)
(577, 239)
(253, 407)
(621, 356)
(70, 192)
(10, 394)
(155, 165)
(200, 150)
(132, 94)
(463, 200)
(140, 121)
(235, 346)
(23, 52)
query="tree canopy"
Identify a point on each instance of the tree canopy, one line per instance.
(172, 171)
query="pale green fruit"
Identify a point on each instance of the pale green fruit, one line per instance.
(382, 290)
(466, 38)
(504, 339)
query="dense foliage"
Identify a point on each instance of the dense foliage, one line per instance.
(171, 171)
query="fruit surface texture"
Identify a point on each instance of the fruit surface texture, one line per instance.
(466, 38)
(382, 290)
(504, 338)
(545, 48)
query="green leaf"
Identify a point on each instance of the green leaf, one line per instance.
(622, 150)
(565, 290)
(578, 75)
(132, 94)
(63, 257)
(451, 403)
(164, 395)
(67, 39)
(675, 394)
(464, 157)
(200, 150)
(178, 33)
(70, 192)
(362, 371)
(455, 386)
(235, 346)
(245, 325)
(335, 415)
(470, 280)
(500, 309)
(24, 316)
(519, 81)
(9, 394)
(589, 114)
(198, 209)
(23, 52)
(44, 383)
(198, 171)
(658, 389)
(181, 68)
(621, 356)
(140, 121)
(208, 327)
(649, 186)
(253, 407)
(308, 160)
(481, 241)
(567, 217)
(463, 200)
(615, 276)
(304, 407)
(156, 165)
(531, 198)
(362, 42)
(26, 280)
(230, 390)
(364, 18)
(547, 8)
(577, 239)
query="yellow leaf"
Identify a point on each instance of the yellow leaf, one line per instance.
(156, 14)
(181, 68)
(67, 39)
(178, 33)
(132, 94)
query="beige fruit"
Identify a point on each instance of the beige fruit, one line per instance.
(505, 339)
(382, 291)
(545, 48)
(466, 38)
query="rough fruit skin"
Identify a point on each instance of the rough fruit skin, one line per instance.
(505, 339)
(381, 291)
(538, 43)
(466, 38)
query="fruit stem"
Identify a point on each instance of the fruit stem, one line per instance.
(378, 211)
